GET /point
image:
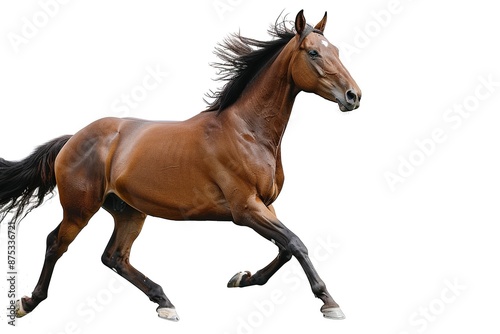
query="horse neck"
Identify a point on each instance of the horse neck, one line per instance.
(266, 104)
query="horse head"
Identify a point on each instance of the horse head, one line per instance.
(316, 66)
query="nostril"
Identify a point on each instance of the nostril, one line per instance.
(351, 97)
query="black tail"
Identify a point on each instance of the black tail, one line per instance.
(24, 184)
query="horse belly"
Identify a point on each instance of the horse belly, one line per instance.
(176, 201)
(165, 174)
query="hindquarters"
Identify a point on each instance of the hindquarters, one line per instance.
(82, 167)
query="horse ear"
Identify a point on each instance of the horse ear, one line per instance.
(321, 25)
(300, 22)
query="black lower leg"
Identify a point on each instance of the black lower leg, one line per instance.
(40, 292)
(153, 290)
(262, 276)
(128, 225)
(318, 287)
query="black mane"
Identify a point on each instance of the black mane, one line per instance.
(242, 59)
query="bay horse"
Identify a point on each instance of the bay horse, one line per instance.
(222, 164)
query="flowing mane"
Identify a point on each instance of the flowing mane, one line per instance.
(242, 59)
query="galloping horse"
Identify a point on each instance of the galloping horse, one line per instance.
(228, 157)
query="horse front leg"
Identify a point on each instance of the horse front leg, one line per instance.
(245, 278)
(261, 219)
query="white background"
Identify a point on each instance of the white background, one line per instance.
(387, 255)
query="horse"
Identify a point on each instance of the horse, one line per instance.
(223, 164)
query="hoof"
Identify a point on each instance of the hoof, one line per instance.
(235, 281)
(167, 313)
(334, 313)
(20, 312)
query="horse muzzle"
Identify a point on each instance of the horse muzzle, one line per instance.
(349, 101)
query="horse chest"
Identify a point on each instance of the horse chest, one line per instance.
(269, 183)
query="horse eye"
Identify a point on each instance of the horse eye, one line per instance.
(313, 54)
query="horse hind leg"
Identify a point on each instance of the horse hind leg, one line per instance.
(128, 225)
(58, 242)
(79, 170)
(79, 205)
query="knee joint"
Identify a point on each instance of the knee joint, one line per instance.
(286, 254)
(51, 242)
(107, 260)
(113, 261)
(297, 247)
